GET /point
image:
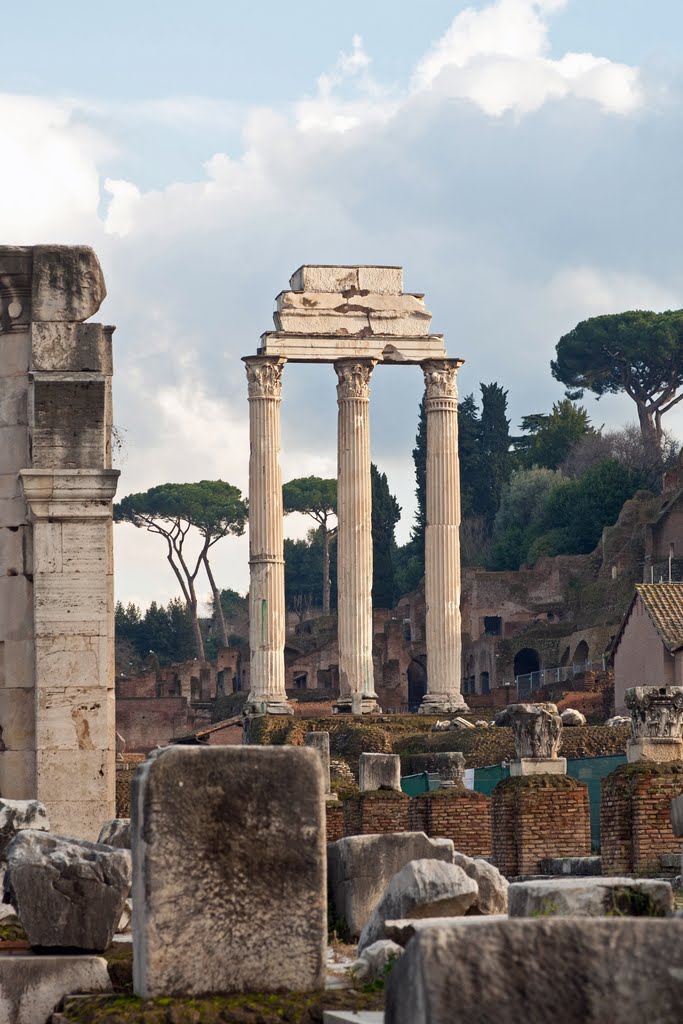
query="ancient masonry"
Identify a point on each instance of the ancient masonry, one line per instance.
(355, 318)
(56, 573)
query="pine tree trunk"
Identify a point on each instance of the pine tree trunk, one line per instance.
(652, 437)
(217, 606)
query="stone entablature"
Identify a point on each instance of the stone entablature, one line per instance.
(354, 317)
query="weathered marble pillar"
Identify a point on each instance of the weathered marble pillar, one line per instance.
(266, 539)
(354, 538)
(656, 723)
(442, 540)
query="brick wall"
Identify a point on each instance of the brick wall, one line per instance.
(458, 814)
(536, 817)
(145, 722)
(381, 811)
(334, 814)
(635, 825)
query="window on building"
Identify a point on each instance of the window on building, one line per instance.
(484, 681)
(493, 625)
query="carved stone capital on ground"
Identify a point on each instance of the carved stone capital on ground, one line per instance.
(441, 377)
(536, 730)
(264, 376)
(354, 378)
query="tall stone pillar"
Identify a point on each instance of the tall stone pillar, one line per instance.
(266, 539)
(354, 538)
(442, 541)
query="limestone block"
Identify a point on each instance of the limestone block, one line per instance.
(68, 894)
(572, 717)
(76, 811)
(492, 897)
(18, 774)
(68, 423)
(396, 305)
(71, 347)
(423, 888)
(16, 602)
(379, 771)
(17, 816)
(81, 818)
(510, 973)
(72, 661)
(17, 718)
(14, 452)
(47, 547)
(382, 280)
(324, 279)
(322, 322)
(654, 748)
(406, 325)
(82, 597)
(575, 866)
(321, 349)
(320, 741)
(68, 283)
(538, 766)
(15, 354)
(360, 867)
(13, 401)
(253, 831)
(16, 665)
(590, 897)
(86, 549)
(32, 987)
(116, 833)
(15, 550)
(13, 511)
(677, 816)
(404, 929)
(72, 718)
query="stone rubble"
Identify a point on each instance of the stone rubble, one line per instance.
(423, 888)
(17, 816)
(359, 868)
(374, 960)
(571, 717)
(69, 894)
(492, 895)
(116, 833)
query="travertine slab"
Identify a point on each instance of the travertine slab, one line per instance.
(300, 348)
(379, 771)
(31, 987)
(229, 854)
(71, 346)
(67, 283)
(380, 280)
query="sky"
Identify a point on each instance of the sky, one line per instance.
(521, 159)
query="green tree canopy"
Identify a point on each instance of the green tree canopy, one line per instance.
(638, 352)
(213, 507)
(317, 498)
(551, 437)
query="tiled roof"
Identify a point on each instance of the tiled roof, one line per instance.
(664, 604)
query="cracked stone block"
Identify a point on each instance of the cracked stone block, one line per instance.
(116, 833)
(32, 987)
(68, 283)
(590, 897)
(69, 894)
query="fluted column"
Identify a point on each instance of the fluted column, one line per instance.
(354, 537)
(266, 539)
(442, 541)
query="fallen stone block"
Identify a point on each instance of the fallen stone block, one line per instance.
(571, 717)
(403, 930)
(68, 893)
(360, 867)
(17, 816)
(31, 987)
(590, 897)
(379, 771)
(116, 833)
(574, 866)
(373, 962)
(423, 888)
(228, 848)
(492, 896)
(611, 970)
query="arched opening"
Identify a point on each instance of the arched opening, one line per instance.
(526, 661)
(484, 682)
(564, 660)
(417, 684)
(581, 653)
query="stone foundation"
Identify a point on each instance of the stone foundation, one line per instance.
(538, 817)
(635, 821)
(458, 814)
(382, 811)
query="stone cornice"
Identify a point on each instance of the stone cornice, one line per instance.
(70, 493)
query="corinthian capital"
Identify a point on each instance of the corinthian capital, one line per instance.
(354, 377)
(441, 377)
(264, 376)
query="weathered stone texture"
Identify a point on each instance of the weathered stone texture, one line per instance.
(590, 897)
(248, 822)
(635, 817)
(507, 971)
(68, 283)
(17, 816)
(32, 987)
(68, 894)
(379, 771)
(360, 867)
(116, 833)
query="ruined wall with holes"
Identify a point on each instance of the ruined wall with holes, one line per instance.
(56, 573)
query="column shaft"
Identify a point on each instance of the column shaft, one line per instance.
(442, 541)
(354, 539)
(266, 544)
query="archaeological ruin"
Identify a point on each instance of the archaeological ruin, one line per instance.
(355, 318)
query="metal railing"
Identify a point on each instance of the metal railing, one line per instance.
(533, 681)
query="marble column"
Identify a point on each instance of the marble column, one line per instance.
(442, 542)
(354, 538)
(266, 539)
